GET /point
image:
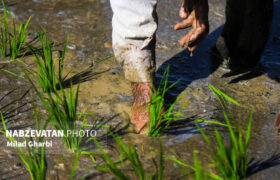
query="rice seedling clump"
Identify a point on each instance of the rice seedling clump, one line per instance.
(11, 43)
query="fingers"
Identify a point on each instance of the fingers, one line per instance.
(194, 37)
(182, 13)
(186, 8)
(197, 42)
(200, 31)
(185, 23)
(198, 36)
(195, 15)
(185, 39)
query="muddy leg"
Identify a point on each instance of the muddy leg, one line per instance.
(134, 27)
(140, 113)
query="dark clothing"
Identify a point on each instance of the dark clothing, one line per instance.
(246, 31)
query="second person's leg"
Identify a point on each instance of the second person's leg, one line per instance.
(245, 32)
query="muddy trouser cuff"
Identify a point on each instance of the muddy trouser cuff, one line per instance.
(134, 26)
(138, 64)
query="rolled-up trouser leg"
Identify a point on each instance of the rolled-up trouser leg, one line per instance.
(134, 26)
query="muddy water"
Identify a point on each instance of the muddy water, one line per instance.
(106, 94)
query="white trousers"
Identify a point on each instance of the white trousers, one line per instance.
(134, 26)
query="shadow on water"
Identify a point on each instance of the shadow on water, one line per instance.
(205, 61)
(83, 76)
(260, 165)
(188, 69)
(102, 127)
(12, 110)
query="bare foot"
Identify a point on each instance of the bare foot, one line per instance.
(277, 124)
(142, 93)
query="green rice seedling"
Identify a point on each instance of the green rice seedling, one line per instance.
(76, 161)
(199, 173)
(13, 74)
(46, 75)
(130, 153)
(126, 153)
(159, 173)
(18, 39)
(62, 109)
(104, 59)
(75, 165)
(33, 157)
(64, 115)
(109, 164)
(230, 161)
(160, 119)
(61, 105)
(12, 43)
(4, 34)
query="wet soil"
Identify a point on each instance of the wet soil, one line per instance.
(106, 94)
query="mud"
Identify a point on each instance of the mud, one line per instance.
(106, 94)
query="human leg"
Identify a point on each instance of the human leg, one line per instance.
(134, 26)
(245, 32)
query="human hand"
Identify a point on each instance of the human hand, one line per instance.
(194, 13)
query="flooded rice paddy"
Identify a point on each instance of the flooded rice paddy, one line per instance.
(106, 94)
